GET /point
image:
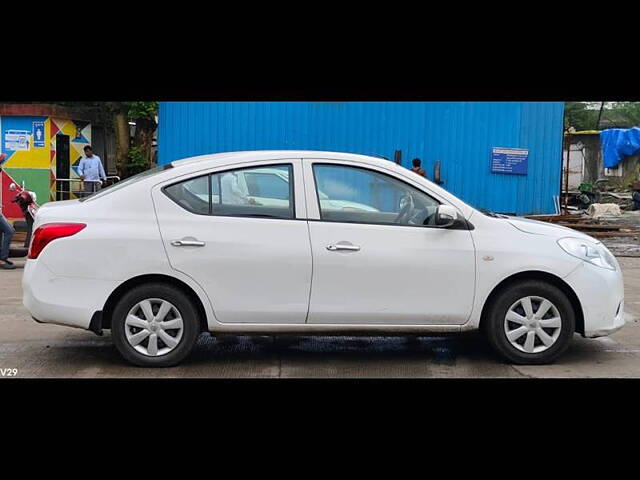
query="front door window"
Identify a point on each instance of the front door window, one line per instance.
(357, 195)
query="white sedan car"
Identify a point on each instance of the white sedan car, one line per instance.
(306, 242)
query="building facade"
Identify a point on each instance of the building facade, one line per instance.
(43, 143)
(586, 163)
(502, 156)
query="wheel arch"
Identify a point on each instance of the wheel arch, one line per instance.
(544, 276)
(124, 287)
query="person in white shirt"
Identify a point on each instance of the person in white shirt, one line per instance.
(91, 171)
(232, 194)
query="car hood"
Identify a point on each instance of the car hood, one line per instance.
(536, 227)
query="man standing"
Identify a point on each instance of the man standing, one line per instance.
(417, 168)
(6, 231)
(91, 171)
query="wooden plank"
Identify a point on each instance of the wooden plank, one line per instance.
(570, 220)
(589, 226)
(554, 218)
(619, 196)
(613, 234)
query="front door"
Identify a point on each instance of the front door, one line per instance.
(378, 258)
(246, 247)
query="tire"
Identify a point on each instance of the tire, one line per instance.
(512, 300)
(175, 306)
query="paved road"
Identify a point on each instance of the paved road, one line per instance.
(41, 351)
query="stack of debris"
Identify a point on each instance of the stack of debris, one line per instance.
(602, 191)
(622, 199)
(602, 226)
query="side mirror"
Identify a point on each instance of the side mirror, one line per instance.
(446, 216)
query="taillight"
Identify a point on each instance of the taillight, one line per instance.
(50, 232)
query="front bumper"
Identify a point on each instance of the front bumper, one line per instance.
(601, 294)
(618, 322)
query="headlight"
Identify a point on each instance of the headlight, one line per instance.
(594, 253)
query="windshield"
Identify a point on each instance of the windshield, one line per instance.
(128, 181)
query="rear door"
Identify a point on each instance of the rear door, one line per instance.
(252, 255)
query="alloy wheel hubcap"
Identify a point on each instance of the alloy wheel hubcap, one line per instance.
(154, 327)
(532, 324)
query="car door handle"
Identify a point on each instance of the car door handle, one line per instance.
(342, 246)
(187, 243)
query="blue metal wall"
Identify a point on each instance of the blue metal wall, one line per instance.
(458, 134)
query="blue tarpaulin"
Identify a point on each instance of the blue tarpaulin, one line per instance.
(618, 143)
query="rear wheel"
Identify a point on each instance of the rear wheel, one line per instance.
(530, 322)
(154, 325)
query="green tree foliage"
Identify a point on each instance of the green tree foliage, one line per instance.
(144, 115)
(142, 110)
(579, 116)
(626, 114)
(584, 115)
(137, 162)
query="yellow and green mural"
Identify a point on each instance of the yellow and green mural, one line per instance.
(31, 144)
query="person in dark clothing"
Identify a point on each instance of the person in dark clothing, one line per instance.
(636, 198)
(24, 200)
(6, 232)
(417, 168)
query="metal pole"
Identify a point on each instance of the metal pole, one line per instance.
(566, 174)
(436, 173)
(599, 115)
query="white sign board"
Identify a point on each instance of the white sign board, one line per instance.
(17, 140)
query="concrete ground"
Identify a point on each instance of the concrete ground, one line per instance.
(41, 351)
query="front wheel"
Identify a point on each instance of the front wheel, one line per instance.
(154, 325)
(530, 322)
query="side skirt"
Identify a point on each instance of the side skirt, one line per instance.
(331, 329)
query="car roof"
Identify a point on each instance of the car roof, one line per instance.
(231, 158)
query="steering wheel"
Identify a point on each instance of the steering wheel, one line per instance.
(407, 208)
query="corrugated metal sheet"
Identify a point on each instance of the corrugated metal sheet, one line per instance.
(458, 134)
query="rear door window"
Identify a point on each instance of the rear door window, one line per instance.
(254, 192)
(192, 195)
(248, 192)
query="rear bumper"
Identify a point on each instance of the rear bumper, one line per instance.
(69, 301)
(601, 294)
